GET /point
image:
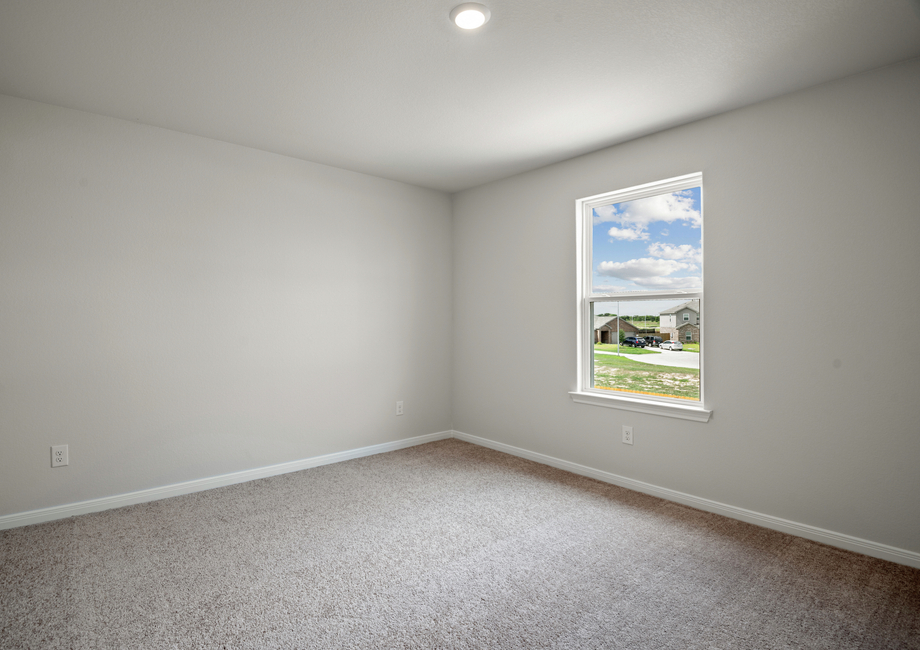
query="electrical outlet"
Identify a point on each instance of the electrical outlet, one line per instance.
(59, 456)
(627, 435)
(399, 408)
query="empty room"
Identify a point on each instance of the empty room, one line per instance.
(381, 324)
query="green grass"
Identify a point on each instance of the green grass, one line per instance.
(621, 373)
(612, 347)
(691, 347)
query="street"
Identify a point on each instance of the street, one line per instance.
(675, 358)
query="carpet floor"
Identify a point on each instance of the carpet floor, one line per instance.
(444, 545)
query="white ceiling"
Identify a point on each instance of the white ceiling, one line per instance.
(392, 88)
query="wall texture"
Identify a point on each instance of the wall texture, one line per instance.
(175, 308)
(812, 216)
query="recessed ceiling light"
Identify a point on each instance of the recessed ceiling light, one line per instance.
(470, 15)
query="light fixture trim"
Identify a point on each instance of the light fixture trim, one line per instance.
(463, 21)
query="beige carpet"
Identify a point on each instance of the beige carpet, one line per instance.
(446, 545)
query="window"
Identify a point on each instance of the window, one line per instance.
(640, 259)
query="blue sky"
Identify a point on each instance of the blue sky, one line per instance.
(648, 244)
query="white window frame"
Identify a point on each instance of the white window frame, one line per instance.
(585, 393)
(686, 317)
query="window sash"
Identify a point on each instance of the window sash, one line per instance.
(587, 297)
(586, 349)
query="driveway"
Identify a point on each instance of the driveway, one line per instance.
(674, 358)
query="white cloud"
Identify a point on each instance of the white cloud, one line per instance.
(684, 252)
(638, 214)
(609, 288)
(627, 234)
(635, 270)
(672, 283)
(650, 273)
(606, 213)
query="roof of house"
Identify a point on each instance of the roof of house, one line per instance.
(601, 321)
(686, 325)
(690, 304)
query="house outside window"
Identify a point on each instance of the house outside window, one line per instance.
(639, 265)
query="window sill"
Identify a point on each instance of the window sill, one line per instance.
(694, 413)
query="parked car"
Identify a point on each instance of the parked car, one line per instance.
(634, 342)
(653, 341)
(672, 345)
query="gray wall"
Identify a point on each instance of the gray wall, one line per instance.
(173, 308)
(812, 215)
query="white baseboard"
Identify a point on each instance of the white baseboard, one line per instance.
(813, 533)
(828, 537)
(177, 489)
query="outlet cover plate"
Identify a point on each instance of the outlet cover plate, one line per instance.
(59, 456)
(627, 435)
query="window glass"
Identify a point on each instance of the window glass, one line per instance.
(648, 244)
(642, 285)
(625, 361)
